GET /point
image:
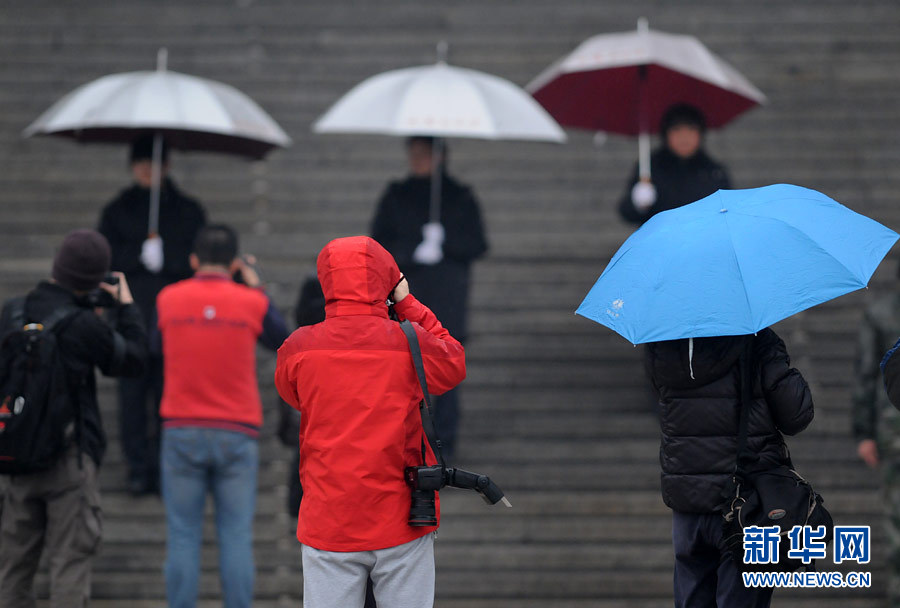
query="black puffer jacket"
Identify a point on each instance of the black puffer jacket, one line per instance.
(699, 415)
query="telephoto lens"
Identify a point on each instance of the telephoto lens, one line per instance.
(422, 512)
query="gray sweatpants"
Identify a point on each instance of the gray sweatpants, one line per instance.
(402, 576)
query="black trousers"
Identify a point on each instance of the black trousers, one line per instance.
(446, 420)
(139, 422)
(705, 575)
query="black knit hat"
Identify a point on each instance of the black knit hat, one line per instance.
(82, 260)
(682, 114)
(142, 149)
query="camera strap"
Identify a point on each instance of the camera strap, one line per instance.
(424, 405)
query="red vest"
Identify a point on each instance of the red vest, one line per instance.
(209, 327)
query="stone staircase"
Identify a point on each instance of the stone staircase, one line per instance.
(554, 405)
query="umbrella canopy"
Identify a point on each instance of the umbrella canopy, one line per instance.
(442, 101)
(735, 262)
(624, 82)
(191, 113)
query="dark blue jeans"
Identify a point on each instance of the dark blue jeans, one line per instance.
(706, 576)
(224, 463)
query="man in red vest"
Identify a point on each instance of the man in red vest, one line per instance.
(352, 378)
(212, 413)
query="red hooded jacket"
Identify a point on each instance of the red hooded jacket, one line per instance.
(352, 378)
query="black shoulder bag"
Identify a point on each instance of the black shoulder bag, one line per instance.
(767, 497)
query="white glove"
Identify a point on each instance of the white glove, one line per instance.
(152, 254)
(643, 195)
(429, 251)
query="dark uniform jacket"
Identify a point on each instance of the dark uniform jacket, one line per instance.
(678, 181)
(699, 416)
(124, 223)
(86, 341)
(397, 226)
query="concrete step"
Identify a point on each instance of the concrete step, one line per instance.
(555, 406)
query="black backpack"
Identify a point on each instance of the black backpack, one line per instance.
(38, 410)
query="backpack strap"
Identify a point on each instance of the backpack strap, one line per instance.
(16, 319)
(13, 316)
(17, 312)
(55, 320)
(59, 315)
(68, 313)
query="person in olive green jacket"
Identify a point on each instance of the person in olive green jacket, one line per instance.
(876, 423)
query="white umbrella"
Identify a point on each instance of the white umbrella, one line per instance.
(440, 101)
(191, 113)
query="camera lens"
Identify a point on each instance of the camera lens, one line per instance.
(422, 511)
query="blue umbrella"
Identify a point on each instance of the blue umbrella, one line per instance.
(735, 262)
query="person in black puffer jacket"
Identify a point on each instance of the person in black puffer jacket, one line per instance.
(698, 382)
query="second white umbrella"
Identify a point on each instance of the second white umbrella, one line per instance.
(442, 101)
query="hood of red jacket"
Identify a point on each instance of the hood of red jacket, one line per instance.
(357, 275)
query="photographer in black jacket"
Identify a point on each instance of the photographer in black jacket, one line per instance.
(58, 509)
(698, 382)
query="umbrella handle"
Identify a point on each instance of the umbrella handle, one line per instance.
(643, 195)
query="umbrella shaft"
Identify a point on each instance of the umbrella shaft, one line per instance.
(437, 155)
(643, 111)
(644, 156)
(155, 185)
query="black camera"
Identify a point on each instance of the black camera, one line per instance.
(98, 298)
(426, 480)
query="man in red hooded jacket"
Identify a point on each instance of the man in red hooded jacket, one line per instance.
(352, 379)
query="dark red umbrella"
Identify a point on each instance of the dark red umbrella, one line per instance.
(624, 82)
